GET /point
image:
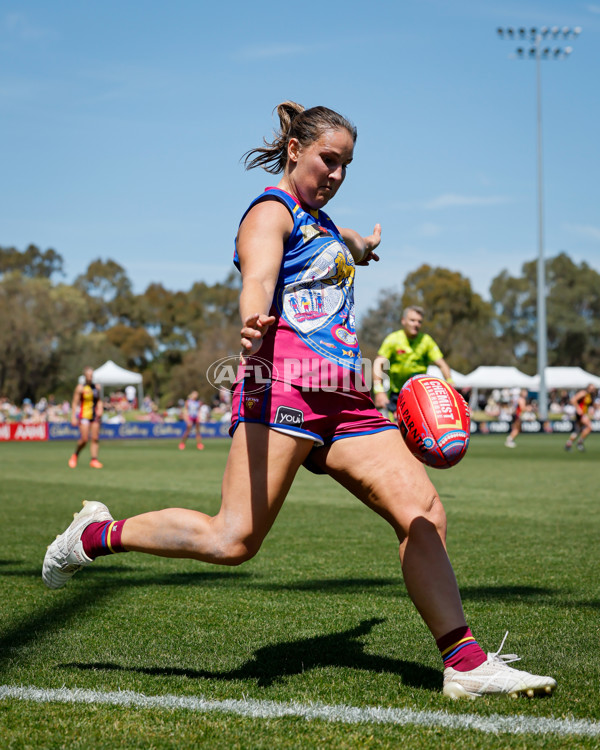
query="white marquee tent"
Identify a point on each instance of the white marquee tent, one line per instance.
(111, 374)
(457, 377)
(498, 377)
(566, 377)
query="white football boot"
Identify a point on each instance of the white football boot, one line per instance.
(495, 677)
(65, 556)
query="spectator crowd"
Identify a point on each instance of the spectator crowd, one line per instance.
(117, 409)
(499, 404)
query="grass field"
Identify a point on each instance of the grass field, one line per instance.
(318, 625)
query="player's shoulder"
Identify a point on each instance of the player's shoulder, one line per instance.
(267, 218)
(430, 344)
(272, 203)
(391, 340)
(266, 209)
(398, 335)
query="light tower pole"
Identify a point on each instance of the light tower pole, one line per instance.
(535, 44)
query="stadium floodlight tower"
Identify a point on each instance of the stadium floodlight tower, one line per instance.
(540, 44)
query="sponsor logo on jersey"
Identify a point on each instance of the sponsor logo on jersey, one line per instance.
(287, 416)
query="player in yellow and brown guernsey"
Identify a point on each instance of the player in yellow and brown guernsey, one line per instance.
(520, 407)
(582, 401)
(86, 413)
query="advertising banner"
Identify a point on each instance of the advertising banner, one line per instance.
(18, 431)
(138, 430)
(532, 426)
(175, 430)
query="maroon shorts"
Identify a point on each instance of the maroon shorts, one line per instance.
(320, 416)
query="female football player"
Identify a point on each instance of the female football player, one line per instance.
(297, 312)
(519, 409)
(191, 416)
(86, 413)
(582, 401)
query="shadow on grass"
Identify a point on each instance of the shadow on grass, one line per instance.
(271, 664)
(534, 595)
(121, 576)
(335, 585)
(529, 594)
(506, 593)
(70, 605)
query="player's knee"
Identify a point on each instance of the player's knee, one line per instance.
(423, 516)
(437, 515)
(240, 551)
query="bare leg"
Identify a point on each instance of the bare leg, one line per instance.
(587, 428)
(84, 434)
(577, 432)
(95, 436)
(260, 469)
(515, 430)
(381, 472)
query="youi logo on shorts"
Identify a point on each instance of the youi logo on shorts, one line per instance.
(288, 416)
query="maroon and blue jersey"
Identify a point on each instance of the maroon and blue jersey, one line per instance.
(313, 340)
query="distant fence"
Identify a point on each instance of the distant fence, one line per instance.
(175, 430)
(533, 426)
(124, 431)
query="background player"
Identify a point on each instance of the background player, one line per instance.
(409, 352)
(86, 413)
(520, 407)
(191, 415)
(582, 401)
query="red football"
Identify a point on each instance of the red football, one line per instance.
(435, 421)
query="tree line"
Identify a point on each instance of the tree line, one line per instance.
(49, 330)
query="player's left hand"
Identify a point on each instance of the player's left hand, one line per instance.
(371, 243)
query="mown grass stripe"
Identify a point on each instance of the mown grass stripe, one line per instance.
(255, 709)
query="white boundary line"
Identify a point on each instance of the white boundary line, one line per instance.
(256, 709)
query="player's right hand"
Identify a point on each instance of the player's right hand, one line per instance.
(253, 331)
(381, 400)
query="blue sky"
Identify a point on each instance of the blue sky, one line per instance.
(123, 123)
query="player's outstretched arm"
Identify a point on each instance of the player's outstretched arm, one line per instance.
(362, 248)
(444, 367)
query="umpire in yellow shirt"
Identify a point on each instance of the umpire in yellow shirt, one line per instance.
(407, 352)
